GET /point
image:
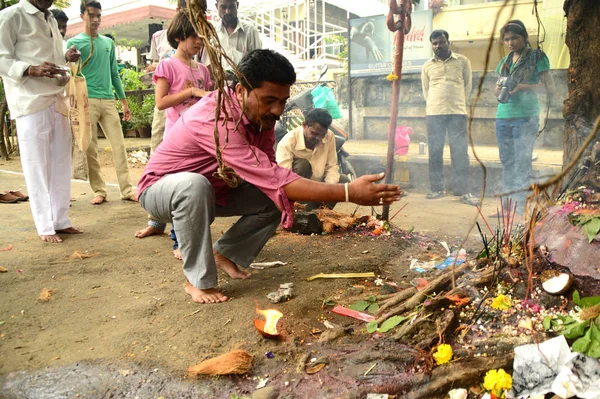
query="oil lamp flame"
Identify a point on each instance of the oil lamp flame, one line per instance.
(271, 316)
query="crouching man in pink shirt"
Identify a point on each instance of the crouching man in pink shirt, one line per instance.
(180, 183)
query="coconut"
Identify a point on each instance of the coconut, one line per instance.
(558, 284)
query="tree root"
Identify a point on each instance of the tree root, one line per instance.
(457, 375)
(437, 285)
(483, 277)
(409, 328)
(396, 299)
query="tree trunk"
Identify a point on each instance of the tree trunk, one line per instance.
(582, 105)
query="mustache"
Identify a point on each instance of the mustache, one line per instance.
(271, 118)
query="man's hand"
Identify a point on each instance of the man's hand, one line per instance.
(151, 68)
(125, 109)
(46, 70)
(363, 191)
(72, 54)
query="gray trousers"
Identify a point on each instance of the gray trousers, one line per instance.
(188, 201)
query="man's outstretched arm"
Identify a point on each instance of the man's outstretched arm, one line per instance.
(361, 191)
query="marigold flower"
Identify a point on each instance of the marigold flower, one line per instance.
(497, 381)
(443, 354)
(501, 302)
(392, 77)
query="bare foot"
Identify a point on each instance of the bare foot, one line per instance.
(53, 238)
(177, 254)
(211, 295)
(229, 267)
(148, 231)
(132, 197)
(97, 200)
(69, 230)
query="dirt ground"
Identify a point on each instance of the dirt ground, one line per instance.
(119, 300)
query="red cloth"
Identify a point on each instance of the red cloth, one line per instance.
(190, 147)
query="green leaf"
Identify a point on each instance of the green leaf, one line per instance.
(547, 323)
(591, 228)
(582, 344)
(372, 298)
(594, 349)
(2, 322)
(361, 306)
(556, 326)
(373, 308)
(372, 326)
(589, 301)
(576, 298)
(574, 330)
(595, 332)
(391, 323)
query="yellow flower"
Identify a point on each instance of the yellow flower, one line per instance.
(502, 302)
(392, 77)
(443, 354)
(497, 381)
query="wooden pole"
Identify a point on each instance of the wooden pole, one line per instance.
(398, 21)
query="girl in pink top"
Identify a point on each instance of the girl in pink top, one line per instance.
(180, 81)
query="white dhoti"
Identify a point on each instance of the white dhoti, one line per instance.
(45, 147)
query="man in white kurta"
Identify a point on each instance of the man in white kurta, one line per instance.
(30, 51)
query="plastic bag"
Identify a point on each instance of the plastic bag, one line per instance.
(402, 139)
(323, 97)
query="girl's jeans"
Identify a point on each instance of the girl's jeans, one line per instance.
(516, 138)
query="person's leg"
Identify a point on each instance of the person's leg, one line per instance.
(302, 167)
(245, 239)
(158, 128)
(35, 134)
(436, 137)
(60, 174)
(525, 133)
(154, 227)
(96, 181)
(111, 124)
(504, 135)
(457, 138)
(188, 200)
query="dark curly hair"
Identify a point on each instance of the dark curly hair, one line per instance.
(318, 115)
(260, 66)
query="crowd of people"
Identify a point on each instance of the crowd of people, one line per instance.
(190, 179)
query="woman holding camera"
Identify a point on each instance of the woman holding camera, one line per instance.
(524, 73)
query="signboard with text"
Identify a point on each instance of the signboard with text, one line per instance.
(372, 45)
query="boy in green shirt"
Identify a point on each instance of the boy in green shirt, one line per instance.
(99, 66)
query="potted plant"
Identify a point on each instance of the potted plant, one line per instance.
(142, 114)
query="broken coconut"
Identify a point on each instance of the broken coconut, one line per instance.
(556, 283)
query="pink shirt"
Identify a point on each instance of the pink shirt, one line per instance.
(191, 148)
(180, 77)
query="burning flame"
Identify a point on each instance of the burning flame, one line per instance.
(271, 316)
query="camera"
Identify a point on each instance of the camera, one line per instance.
(507, 84)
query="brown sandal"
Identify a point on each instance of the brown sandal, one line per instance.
(20, 196)
(8, 198)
